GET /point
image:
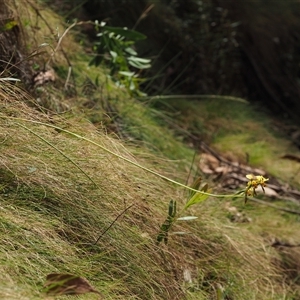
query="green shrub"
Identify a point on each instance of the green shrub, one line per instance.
(115, 48)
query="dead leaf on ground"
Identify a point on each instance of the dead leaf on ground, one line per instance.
(67, 284)
(291, 157)
(43, 77)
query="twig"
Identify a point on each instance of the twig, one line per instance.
(277, 243)
(143, 15)
(291, 211)
(112, 223)
(68, 77)
(191, 167)
(59, 41)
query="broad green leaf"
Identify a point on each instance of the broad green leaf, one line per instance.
(139, 59)
(130, 51)
(196, 199)
(126, 73)
(187, 218)
(204, 188)
(110, 34)
(132, 86)
(172, 208)
(113, 54)
(195, 186)
(139, 65)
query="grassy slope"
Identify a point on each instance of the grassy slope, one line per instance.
(52, 213)
(238, 129)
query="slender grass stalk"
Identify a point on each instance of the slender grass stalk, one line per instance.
(160, 72)
(171, 97)
(171, 85)
(119, 156)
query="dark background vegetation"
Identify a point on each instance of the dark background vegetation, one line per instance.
(248, 48)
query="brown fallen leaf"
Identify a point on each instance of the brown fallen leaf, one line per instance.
(43, 77)
(291, 157)
(67, 284)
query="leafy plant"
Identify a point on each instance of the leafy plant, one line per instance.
(197, 196)
(165, 227)
(194, 198)
(115, 48)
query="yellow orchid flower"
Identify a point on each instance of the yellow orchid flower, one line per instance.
(253, 183)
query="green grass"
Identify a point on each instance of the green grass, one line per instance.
(60, 193)
(239, 131)
(69, 213)
(72, 213)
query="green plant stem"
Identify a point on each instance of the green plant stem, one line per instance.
(170, 97)
(121, 157)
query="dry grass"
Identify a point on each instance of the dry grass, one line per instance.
(52, 213)
(36, 177)
(59, 193)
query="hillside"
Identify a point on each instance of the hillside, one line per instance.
(88, 172)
